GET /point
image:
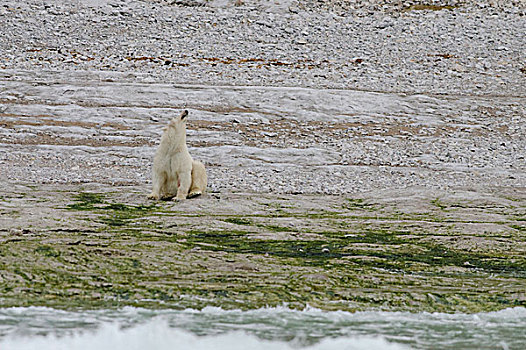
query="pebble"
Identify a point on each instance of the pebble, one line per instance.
(345, 45)
(332, 31)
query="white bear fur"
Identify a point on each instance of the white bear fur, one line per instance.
(174, 172)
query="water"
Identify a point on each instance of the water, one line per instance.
(267, 328)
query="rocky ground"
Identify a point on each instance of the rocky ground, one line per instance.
(448, 47)
(360, 154)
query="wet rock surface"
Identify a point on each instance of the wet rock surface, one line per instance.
(415, 249)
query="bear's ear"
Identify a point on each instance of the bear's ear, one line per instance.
(184, 114)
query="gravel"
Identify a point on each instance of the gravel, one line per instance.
(449, 47)
(323, 97)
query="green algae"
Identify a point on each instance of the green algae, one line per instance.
(157, 255)
(239, 221)
(113, 214)
(398, 252)
(47, 251)
(267, 227)
(519, 228)
(121, 214)
(86, 201)
(232, 242)
(360, 204)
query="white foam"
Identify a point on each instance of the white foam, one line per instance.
(266, 328)
(157, 334)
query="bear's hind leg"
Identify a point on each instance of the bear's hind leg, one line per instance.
(199, 179)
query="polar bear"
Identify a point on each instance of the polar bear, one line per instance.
(174, 172)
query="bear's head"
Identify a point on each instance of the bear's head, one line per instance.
(180, 120)
(177, 126)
